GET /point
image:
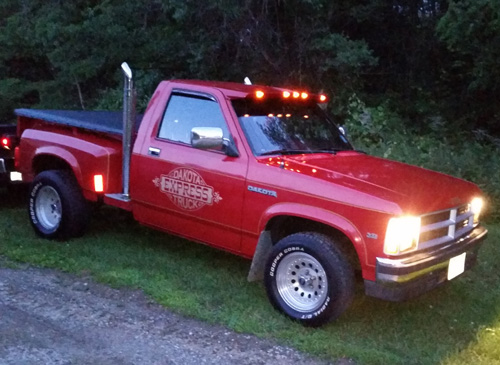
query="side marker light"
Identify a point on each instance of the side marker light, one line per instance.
(98, 183)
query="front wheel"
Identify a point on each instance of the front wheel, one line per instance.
(309, 278)
(57, 208)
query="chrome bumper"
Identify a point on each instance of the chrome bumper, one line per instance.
(404, 278)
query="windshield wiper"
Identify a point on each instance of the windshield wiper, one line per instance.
(296, 152)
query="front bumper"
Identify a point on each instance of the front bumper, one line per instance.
(404, 278)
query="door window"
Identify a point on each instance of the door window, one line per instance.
(184, 112)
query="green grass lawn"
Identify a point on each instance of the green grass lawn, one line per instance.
(455, 324)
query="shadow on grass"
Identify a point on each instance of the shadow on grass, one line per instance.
(446, 325)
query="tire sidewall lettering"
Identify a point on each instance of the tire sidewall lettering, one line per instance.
(280, 255)
(33, 194)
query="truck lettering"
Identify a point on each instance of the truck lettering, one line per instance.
(187, 189)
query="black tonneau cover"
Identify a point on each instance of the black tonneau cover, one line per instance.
(100, 121)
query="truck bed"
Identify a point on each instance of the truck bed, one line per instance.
(99, 121)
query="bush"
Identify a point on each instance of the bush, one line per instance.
(471, 156)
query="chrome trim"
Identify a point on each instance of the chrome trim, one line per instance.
(206, 138)
(128, 125)
(401, 270)
(450, 224)
(153, 151)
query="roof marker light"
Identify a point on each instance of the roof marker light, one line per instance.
(259, 94)
(322, 98)
(286, 94)
(296, 94)
(304, 95)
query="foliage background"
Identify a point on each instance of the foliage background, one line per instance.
(414, 80)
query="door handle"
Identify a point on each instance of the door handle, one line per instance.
(153, 151)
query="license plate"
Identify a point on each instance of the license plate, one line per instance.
(456, 266)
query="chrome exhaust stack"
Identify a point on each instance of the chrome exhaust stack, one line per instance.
(129, 100)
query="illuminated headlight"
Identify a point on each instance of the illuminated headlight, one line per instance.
(476, 206)
(402, 235)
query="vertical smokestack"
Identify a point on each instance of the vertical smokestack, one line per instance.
(128, 125)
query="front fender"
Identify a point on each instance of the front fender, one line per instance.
(319, 215)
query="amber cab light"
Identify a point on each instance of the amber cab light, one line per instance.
(322, 98)
(296, 94)
(286, 94)
(304, 95)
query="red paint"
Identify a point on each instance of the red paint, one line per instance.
(207, 196)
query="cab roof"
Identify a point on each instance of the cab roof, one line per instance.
(234, 90)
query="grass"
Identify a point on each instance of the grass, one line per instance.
(456, 324)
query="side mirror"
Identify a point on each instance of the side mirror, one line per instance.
(210, 138)
(205, 138)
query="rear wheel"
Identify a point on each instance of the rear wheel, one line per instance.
(309, 278)
(57, 208)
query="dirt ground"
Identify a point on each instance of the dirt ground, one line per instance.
(50, 317)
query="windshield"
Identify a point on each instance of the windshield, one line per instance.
(276, 126)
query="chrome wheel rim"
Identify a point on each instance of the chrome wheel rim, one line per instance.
(48, 207)
(301, 282)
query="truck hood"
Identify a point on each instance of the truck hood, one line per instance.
(393, 186)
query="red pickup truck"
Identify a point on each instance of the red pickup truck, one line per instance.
(261, 172)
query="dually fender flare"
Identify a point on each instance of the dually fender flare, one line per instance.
(316, 214)
(61, 154)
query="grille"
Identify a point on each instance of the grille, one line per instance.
(445, 226)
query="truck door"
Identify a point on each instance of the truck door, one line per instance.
(194, 193)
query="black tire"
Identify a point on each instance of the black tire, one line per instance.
(308, 277)
(57, 208)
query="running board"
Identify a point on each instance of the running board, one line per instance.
(121, 201)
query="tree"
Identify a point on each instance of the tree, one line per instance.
(471, 32)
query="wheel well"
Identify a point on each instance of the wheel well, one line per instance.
(283, 226)
(47, 162)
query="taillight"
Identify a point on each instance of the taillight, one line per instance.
(8, 142)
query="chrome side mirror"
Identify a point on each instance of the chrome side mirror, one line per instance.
(207, 138)
(210, 138)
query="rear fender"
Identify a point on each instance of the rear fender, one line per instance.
(60, 154)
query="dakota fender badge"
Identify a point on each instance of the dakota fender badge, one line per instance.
(256, 189)
(187, 189)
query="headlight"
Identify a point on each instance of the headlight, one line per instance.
(402, 235)
(476, 206)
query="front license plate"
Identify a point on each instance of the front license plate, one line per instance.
(456, 266)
